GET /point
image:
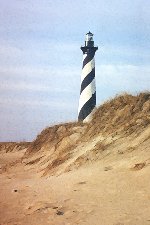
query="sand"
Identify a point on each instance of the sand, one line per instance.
(103, 192)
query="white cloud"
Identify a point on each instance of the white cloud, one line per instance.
(34, 103)
(34, 72)
(23, 86)
(114, 79)
(36, 87)
(109, 69)
(126, 51)
(9, 50)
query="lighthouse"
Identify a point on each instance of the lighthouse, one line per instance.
(87, 101)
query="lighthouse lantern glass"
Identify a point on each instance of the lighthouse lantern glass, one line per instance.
(89, 37)
(89, 40)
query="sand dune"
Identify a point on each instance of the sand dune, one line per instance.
(88, 174)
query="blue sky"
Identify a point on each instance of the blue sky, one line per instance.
(41, 60)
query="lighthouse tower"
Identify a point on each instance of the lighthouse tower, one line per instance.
(87, 101)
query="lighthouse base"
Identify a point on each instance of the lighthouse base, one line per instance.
(89, 117)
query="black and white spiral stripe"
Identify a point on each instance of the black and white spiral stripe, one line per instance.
(87, 101)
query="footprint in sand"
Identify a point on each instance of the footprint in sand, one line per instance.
(56, 208)
(107, 168)
(82, 182)
(39, 207)
(138, 166)
(60, 213)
